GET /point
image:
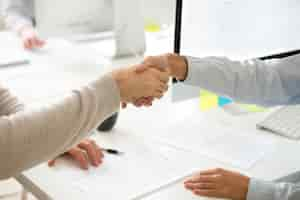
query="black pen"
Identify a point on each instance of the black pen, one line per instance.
(112, 151)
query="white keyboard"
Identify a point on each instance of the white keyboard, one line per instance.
(285, 122)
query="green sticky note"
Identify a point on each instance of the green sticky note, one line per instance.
(253, 108)
(151, 26)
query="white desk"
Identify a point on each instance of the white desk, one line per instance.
(43, 182)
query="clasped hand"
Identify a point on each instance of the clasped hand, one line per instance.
(155, 72)
(139, 83)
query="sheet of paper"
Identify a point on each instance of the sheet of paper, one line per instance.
(144, 166)
(231, 145)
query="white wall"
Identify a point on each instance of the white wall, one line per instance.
(161, 11)
(1, 18)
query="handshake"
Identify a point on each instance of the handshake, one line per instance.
(142, 84)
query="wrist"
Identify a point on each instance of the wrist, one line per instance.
(244, 187)
(120, 77)
(178, 66)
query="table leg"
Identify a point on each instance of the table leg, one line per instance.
(24, 194)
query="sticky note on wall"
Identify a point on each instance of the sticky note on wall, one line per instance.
(208, 100)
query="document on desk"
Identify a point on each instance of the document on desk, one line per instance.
(231, 145)
(143, 167)
(12, 57)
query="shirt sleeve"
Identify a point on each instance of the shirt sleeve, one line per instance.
(18, 13)
(270, 83)
(264, 190)
(31, 136)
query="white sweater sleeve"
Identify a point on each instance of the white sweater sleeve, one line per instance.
(29, 137)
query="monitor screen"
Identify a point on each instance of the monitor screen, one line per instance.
(239, 29)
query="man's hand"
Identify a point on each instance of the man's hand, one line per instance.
(30, 38)
(84, 153)
(133, 86)
(219, 183)
(175, 64)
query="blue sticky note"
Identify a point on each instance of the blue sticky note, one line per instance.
(224, 101)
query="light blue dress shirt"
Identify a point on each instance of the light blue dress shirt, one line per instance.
(267, 83)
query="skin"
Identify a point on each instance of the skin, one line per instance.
(176, 66)
(152, 83)
(30, 38)
(86, 153)
(219, 183)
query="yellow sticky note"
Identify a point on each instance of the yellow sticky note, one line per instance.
(208, 100)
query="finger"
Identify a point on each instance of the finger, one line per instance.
(195, 186)
(149, 101)
(30, 44)
(212, 171)
(51, 163)
(99, 152)
(206, 192)
(138, 103)
(159, 61)
(26, 44)
(78, 155)
(202, 178)
(35, 43)
(40, 43)
(163, 87)
(162, 76)
(124, 105)
(91, 152)
(158, 94)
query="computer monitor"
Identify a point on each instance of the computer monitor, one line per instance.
(237, 29)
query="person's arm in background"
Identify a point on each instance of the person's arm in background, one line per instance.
(30, 137)
(19, 17)
(251, 81)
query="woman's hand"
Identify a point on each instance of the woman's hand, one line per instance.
(219, 183)
(85, 153)
(30, 38)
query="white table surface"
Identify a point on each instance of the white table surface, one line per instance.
(43, 182)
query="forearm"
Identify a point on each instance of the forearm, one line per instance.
(18, 14)
(33, 136)
(264, 190)
(252, 81)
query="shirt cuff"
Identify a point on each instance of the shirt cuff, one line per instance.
(261, 190)
(197, 72)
